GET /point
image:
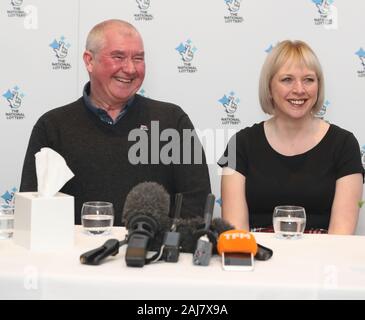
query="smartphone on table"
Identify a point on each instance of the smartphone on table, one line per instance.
(238, 261)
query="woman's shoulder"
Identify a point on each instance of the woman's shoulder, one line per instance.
(251, 131)
(341, 140)
(340, 134)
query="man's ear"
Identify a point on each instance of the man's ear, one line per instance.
(88, 60)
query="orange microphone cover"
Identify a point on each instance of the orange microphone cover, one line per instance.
(236, 241)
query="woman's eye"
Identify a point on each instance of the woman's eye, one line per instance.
(286, 79)
(309, 80)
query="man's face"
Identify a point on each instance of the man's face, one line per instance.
(117, 70)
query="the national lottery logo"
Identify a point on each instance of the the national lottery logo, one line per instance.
(323, 6)
(16, 10)
(322, 112)
(219, 201)
(363, 156)
(269, 48)
(143, 14)
(327, 14)
(7, 199)
(233, 7)
(14, 98)
(16, 3)
(142, 93)
(60, 49)
(186, 51)
(230, 103)
(361, 54)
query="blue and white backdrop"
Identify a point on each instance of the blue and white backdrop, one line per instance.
(204, 55)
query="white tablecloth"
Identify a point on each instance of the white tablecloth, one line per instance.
(314, 267)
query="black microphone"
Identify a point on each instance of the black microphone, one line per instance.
(145, 215)
(204, 247)
(188, 230)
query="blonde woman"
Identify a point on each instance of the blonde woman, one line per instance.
(294, 158)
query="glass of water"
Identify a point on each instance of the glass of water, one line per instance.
(6, 222)
(97, 217)
(289, 222)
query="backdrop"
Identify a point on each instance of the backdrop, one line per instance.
(204, 55)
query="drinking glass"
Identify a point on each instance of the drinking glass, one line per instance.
(97, 217)
(6, 221)
(289, 222)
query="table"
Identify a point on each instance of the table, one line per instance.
(314, 267)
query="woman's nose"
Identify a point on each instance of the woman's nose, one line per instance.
(298, 87)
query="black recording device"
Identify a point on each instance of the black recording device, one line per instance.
(96, 256)
(171, 243)
(204, 247)
(146, 219)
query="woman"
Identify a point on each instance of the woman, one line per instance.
(293, 158)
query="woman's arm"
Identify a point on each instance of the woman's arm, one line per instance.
(345, 208)
(234, 205)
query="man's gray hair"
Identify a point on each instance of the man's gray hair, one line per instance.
(95, 39)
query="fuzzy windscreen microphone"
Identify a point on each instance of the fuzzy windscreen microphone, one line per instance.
(189, 228)
(145, 216)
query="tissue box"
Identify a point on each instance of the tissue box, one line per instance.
(44, 223)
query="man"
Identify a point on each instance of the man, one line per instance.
(93, 133)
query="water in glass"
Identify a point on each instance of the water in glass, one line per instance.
(97, 217)
(6, 222)
(289, 222)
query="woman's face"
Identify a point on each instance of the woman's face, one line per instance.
(294, 89)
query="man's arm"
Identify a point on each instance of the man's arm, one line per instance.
(191, 179)
(38, 140)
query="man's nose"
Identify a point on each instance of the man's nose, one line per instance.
(128, 65)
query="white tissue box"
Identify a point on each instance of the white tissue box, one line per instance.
(44, 223)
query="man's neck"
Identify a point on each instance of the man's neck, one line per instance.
(113, 110)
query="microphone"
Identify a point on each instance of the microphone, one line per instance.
(189, 236)
(145, 216)
(96, 256)
(171, 243)
(204, 247)
(237, 248)
(237, 241)
(188, 227)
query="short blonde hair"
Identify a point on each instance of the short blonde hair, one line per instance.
(294, 51)
(96, 39)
